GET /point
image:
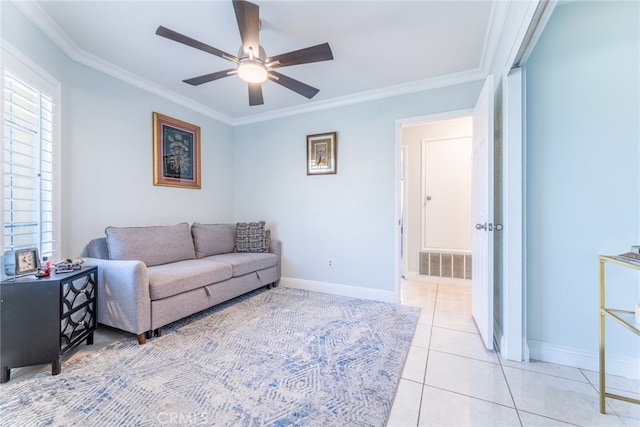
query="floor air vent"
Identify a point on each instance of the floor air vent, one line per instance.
(445, 264)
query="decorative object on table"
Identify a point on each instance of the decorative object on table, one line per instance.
(322, 157)
(45, 268)
(27, 261)
(176, 152)
(279, 357)
(69, 265)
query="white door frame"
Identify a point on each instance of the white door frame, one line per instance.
(514, 332)
(514, 296)
(400, 123)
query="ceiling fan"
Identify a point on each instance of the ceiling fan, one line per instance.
(252, 63)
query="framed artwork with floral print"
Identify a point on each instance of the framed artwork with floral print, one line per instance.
(176, 152)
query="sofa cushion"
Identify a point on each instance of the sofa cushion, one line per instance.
(171, 279)
(246, 262)
(251, 237)
(153, 245)
(213, 239)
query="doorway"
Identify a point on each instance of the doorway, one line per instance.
(435, 206)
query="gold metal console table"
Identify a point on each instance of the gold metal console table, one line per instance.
(624, 317)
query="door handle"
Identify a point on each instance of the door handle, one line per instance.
(489, 227)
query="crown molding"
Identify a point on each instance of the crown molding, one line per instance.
(43, 21)
(498, 18)
(402, 89)
(51, 30)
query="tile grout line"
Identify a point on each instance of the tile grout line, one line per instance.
(596, 387)
(504, 375)
(424, 377)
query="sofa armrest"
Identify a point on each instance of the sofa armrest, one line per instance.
(123, 294)
(275, 247)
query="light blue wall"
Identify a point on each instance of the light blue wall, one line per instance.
(107, 148)
(348, 217)
(583, 184)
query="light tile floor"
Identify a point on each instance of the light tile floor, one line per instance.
(450, 379)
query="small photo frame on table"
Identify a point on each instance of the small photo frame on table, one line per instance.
(176, 152)
(322, 157)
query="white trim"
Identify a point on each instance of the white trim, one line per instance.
(338, 289)
(402, 123)
(537, 29)
(550, 353)
(403, 89)
(41, 20)
(498, 18)
(514, 286)
(499, 339)
(403, 205)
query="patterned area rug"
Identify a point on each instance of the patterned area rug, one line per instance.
(275, 357)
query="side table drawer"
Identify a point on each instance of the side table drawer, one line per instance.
(78, 317)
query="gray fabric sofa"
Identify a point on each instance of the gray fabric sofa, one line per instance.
(152, 276)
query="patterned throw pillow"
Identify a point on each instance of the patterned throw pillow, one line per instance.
(251, 237)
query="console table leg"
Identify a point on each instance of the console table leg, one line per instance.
(90, 339)
(55, 366)
(5, 374)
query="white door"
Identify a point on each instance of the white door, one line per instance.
(482, 213)
(446, 198)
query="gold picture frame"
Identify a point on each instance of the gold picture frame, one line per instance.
(176, 152)
(322, 156)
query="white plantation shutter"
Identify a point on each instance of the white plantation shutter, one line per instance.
(28, 160)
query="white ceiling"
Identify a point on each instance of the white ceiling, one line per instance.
(380, 48)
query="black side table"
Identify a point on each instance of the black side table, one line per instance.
(40, 319)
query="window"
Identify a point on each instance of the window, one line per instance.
(29, 154)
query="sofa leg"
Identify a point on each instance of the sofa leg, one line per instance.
(141, 339)
(157, 332)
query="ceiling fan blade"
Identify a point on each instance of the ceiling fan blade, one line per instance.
(195, 81)
(255, 94)
(181, 38)
(321, 52)
(293, 84)
(248, 17)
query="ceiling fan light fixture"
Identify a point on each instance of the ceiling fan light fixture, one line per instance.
(252, 71)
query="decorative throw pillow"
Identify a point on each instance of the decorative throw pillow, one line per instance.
(251, 237)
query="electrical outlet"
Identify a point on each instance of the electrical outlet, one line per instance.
(330, 263)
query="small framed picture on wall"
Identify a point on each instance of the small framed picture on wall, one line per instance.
(322, 157)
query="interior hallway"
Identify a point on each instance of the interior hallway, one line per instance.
(450, 379)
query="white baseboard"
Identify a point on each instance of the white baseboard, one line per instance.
(623, 367)
(338, 289)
